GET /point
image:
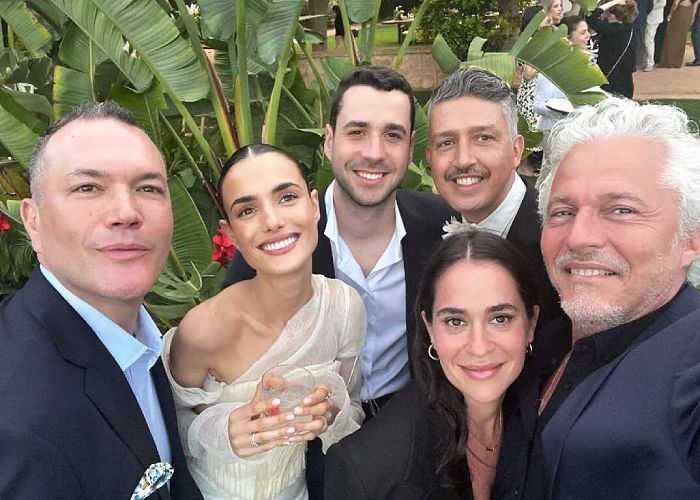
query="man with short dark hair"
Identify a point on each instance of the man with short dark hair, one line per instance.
(616, 413)
(474, 150)
(86, 404)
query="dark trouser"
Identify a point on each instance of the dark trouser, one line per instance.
(695, 34)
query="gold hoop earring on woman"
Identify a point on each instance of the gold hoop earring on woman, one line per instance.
(432, 353)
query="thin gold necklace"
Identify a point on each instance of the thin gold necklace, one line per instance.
(553, 382)
(498, 439)
(469, 449)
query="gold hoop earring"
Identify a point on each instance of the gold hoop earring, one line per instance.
(432, 353)
(528, 350)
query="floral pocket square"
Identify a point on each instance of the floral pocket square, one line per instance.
(155, 477)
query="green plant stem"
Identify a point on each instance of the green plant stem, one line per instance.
(373, 30)
(325, 95)
(298, 105)
(269, 132)
(348, 32)
(244, 118)
(398, 60)
(217, 99)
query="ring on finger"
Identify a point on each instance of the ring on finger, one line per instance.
(254, 440)
(325, 424)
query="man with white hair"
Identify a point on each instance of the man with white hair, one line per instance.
(618, 415)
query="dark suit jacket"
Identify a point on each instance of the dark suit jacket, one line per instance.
(393, 456)
(631, 429)
(525, 233)
(423, 216)
(70, 426)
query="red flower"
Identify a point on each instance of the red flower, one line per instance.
(5, 225)
(223, 248)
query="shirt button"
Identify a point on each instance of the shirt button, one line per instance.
(516, 492)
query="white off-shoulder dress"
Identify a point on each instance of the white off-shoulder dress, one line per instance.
(325, 336)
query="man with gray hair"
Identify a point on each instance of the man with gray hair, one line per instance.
(86, 404)
(618, 415)
(474, 150)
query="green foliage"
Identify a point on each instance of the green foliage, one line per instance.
(460, 21)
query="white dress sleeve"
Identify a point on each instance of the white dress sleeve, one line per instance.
(345, 386)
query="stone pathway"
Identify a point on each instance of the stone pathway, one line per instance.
(666, 83)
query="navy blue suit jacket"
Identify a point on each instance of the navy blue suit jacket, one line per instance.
(70, 426)
(631, 429)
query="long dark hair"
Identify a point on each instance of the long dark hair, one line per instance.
(442, 396)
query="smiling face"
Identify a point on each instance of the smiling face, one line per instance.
(480, 329)
(272, 214)
(103, 222)
(610, 235)
(371, 146)
(472, 155)
(580, 35)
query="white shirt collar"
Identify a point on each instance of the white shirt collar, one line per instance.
(500, 220)
(125, 348)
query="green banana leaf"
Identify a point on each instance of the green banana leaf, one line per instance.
(19, 129)
(360, 11)
(155, 47)
(78, 51)
(443, 55)
(335, 70)
(276, 30)
(191, 243)
(12, 182)
(70, 89)
(565, 65)
(145, 108)
(26, 27)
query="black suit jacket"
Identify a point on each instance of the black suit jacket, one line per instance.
(631, 429)
(70, 426)
(392, 457)
(423, 216)
(628, 430)
(525, 233)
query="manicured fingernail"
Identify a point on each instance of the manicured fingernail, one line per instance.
(276, 402)
(307, 401)
(298, 410)
(289, 430)
(290, 416)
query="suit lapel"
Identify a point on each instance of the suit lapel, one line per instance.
(323, 256)
(525, 231)
(105, 384)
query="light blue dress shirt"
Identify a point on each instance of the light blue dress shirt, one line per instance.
(135, 354)
(385, 366)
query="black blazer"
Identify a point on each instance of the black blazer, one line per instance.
(525, 233)
(423, 216)
(70, 426)
(393, 456)
(631, 428)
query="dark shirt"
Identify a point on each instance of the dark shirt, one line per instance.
(524, 478)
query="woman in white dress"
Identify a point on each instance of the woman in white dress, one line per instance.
(284, 315)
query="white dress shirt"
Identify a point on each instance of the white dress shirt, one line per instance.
(500, 220)
(385, 366)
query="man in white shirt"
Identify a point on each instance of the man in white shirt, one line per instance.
(86, 405)
(474, 150)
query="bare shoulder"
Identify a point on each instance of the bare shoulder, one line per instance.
(206, 327)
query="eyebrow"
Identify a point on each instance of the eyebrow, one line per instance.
(613, 196)
(252, 197)
(472, 130)
(362, 124)
(504, 306)
(94, 173)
